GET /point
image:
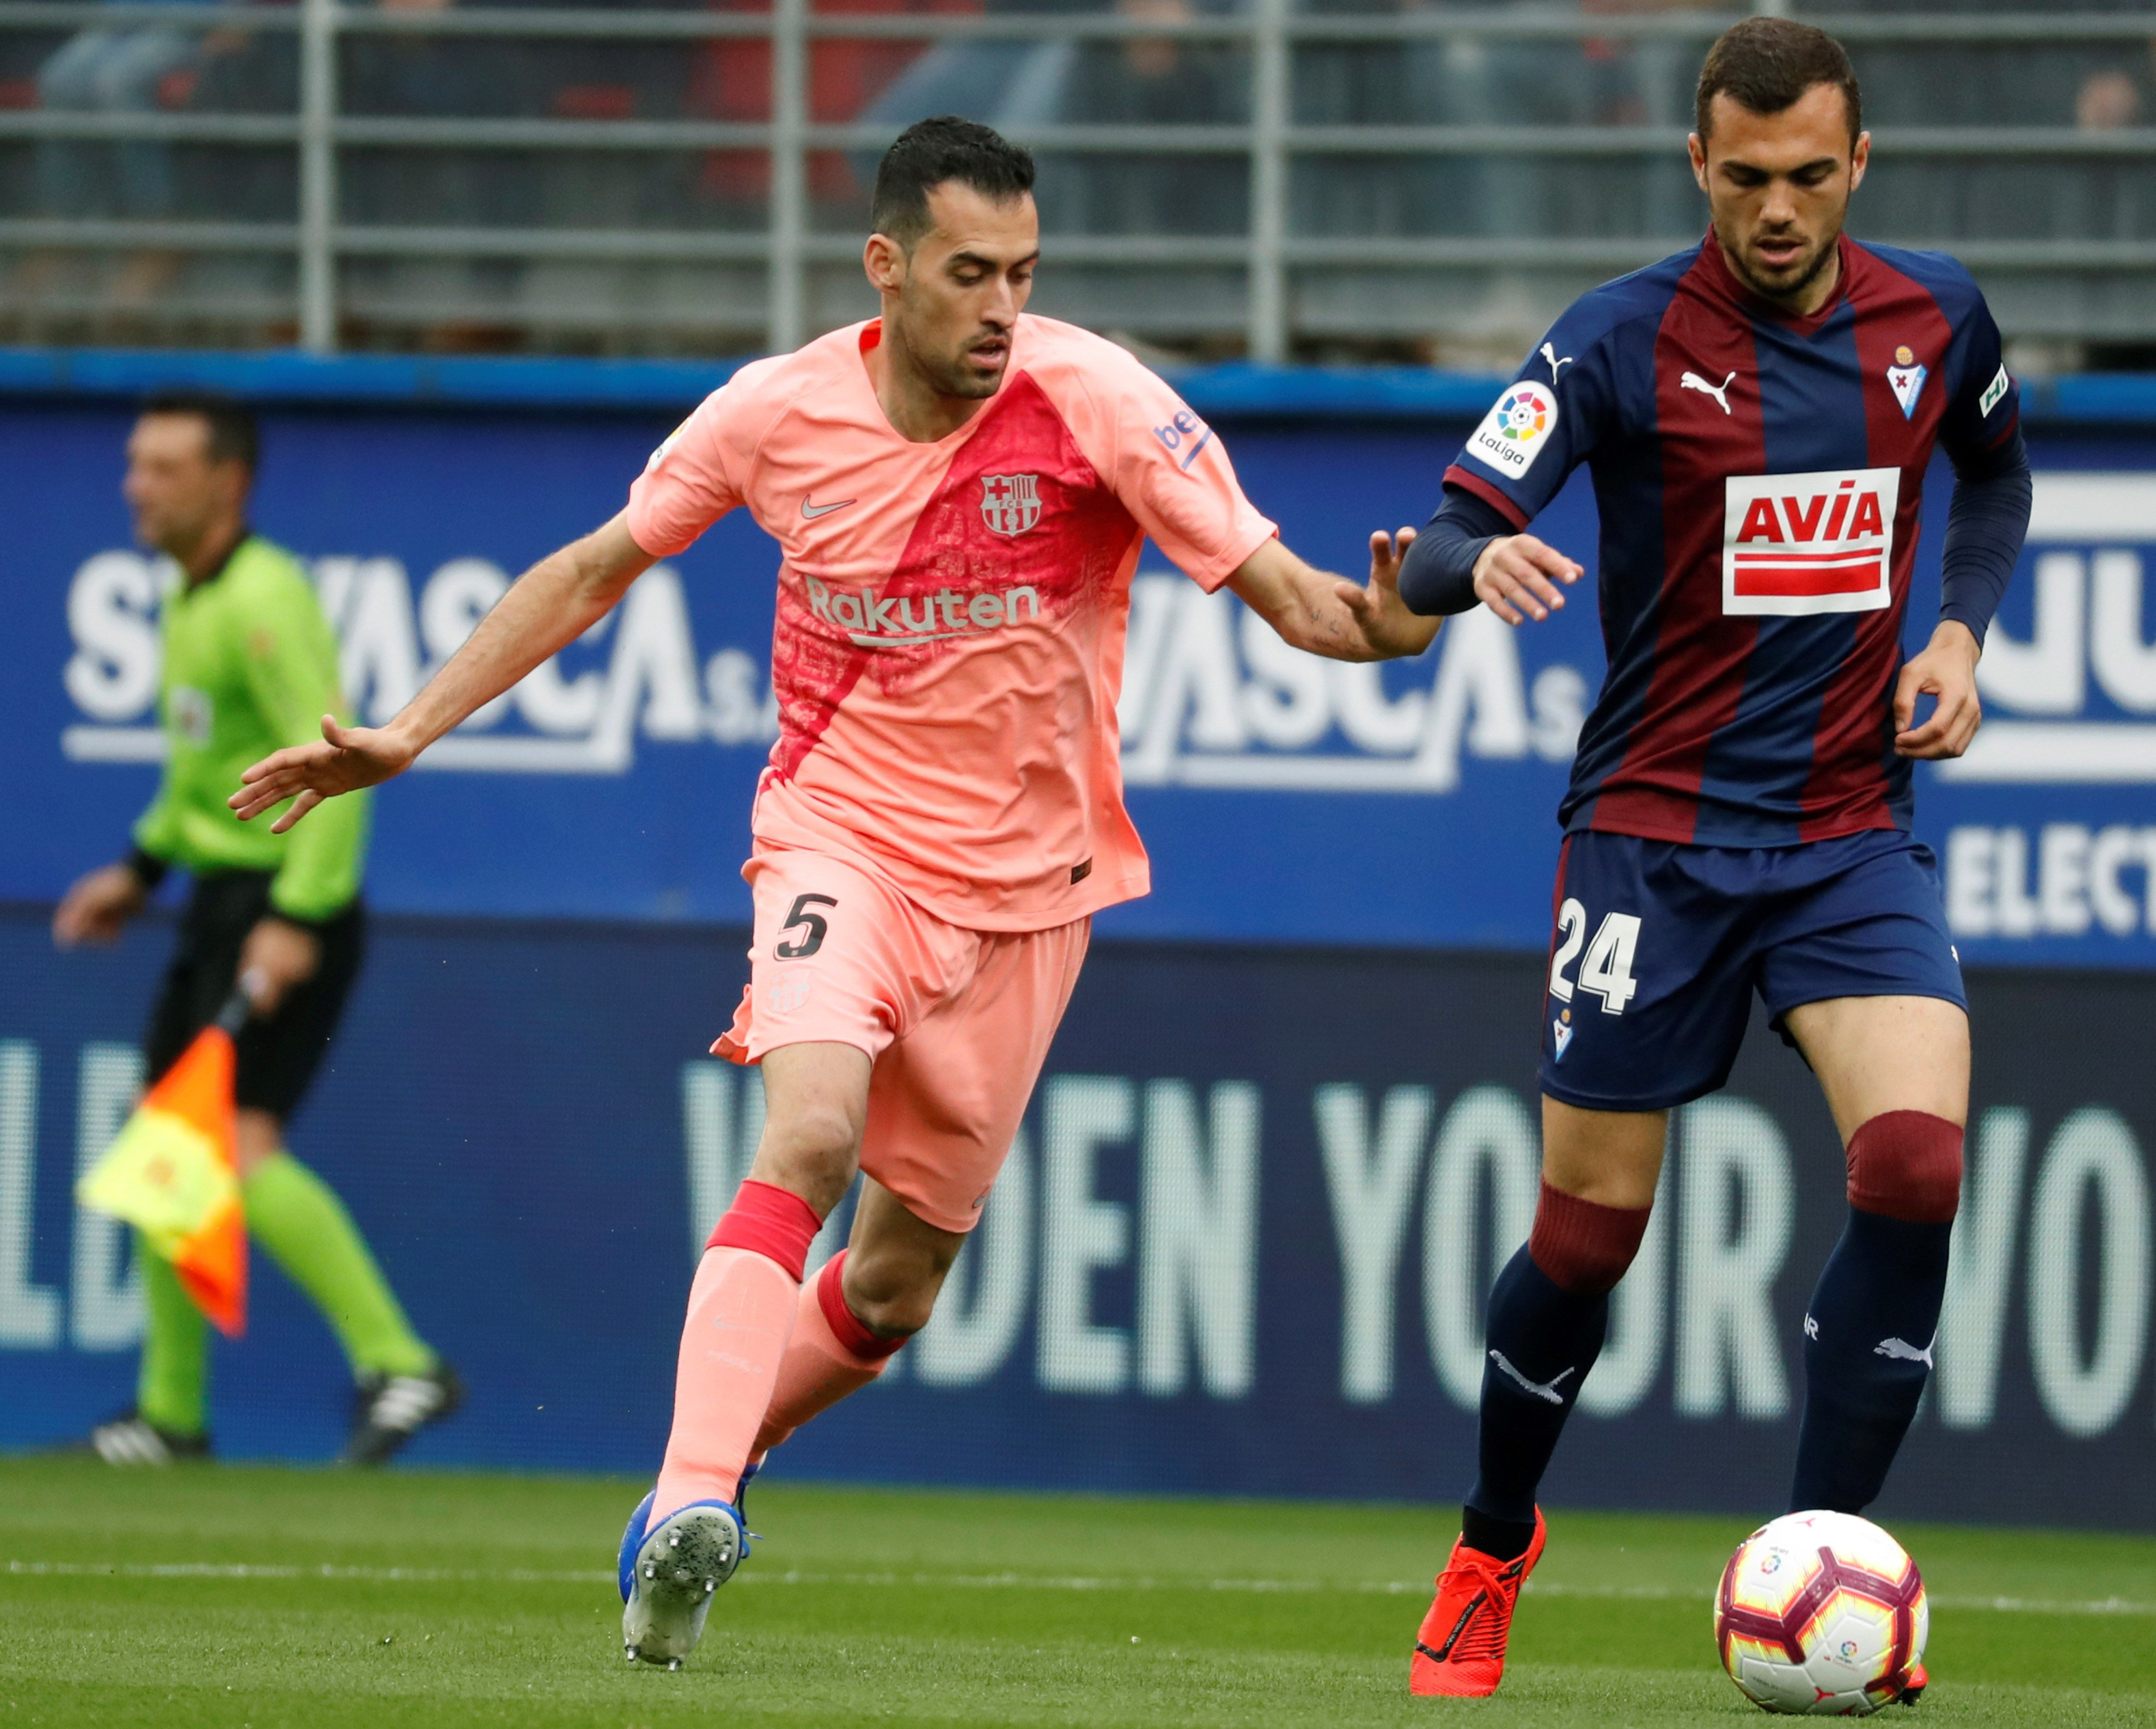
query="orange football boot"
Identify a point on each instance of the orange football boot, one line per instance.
(1460, 1653)
(1913, 1685)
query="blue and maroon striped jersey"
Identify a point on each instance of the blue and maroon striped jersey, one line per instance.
(1759, 478)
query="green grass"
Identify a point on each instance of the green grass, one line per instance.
(270, 1597)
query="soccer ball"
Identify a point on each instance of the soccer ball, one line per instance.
(1820, 1614)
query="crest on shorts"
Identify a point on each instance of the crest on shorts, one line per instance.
(1010, 503)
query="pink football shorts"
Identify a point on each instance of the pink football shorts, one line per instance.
(958, 1022)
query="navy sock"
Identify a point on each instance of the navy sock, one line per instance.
(1867, 1354)
(1542, 1341)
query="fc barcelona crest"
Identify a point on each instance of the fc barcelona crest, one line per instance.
(1010, 503)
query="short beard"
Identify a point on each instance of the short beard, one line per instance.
(1793, 291)
(953, 378)
(961, 380)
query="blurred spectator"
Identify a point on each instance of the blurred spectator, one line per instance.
(133, 70)
(1152, 81)
(1007, 84)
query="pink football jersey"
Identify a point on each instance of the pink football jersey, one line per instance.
(949, 642)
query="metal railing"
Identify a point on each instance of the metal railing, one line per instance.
(1285, 256)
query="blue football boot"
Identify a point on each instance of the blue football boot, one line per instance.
(669, 1574)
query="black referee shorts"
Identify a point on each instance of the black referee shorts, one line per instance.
(277, 1056)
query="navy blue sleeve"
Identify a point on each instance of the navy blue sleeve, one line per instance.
(1546, 422)
(1437, 577)
(1983, 403)
(1985, 526)
(1981, 432)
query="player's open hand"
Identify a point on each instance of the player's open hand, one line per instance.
(347, 759)
(1378, 611)
(1517, 576)
(1947, 670)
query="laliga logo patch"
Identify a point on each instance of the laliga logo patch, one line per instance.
(1905, 378)
(1010, 503)
(1516, 428)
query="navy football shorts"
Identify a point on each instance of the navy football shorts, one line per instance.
(1658, 947)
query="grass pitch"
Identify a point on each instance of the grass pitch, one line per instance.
(266, 1597)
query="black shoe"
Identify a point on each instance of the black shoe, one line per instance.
(387, 1410)
(131, 1440)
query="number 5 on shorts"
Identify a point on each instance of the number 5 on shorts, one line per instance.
(817, 927)
(1607, 971)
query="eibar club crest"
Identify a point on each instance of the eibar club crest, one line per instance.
(1906, 379)
(1010, 503)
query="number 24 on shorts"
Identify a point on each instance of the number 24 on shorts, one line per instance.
(1606, 969)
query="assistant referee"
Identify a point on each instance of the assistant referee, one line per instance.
(249, 665)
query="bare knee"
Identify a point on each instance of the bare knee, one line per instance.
(893, 1293)
(1611, 1158)
(257, 1135)
(817, 1099)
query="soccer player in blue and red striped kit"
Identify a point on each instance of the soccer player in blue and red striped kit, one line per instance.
(1757, 414)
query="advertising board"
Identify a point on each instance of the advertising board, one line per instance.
(1242, 1244)
(1284, 799)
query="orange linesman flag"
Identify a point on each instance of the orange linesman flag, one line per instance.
(173, 1172)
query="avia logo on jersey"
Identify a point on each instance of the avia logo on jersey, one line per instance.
(1799, 543)
(1010, 503)
(1518, 428)
(898, 621)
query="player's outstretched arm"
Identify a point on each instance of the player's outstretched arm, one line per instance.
(1329, 615)
(552, 604)
(1947, 670)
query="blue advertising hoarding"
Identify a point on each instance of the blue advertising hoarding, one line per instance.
(1242, 1244)
(1283, 799)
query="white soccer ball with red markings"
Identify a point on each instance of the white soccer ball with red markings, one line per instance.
(1822, 1614)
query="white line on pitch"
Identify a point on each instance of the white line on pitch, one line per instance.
(992, 1582)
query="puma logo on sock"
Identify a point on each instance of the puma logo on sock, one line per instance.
(1546, 1389)
(1902, 1351)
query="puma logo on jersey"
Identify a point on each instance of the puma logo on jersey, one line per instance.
(1546, 1390)
(1801, 543)
(1720, 393)
(895, 621)
(1549, 354)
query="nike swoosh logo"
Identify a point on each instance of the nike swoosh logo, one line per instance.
(814, 511)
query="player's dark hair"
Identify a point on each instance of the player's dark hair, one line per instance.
(233, 436)
(930, 152)
(1767, 64)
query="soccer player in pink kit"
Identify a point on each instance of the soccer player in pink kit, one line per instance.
(960, 492)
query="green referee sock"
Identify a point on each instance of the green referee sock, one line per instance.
(172, 1386)
(293, 1213)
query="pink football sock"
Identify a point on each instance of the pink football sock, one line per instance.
(830, 1355)
(741, 1315)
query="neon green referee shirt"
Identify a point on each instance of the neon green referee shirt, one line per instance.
(250, 666)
